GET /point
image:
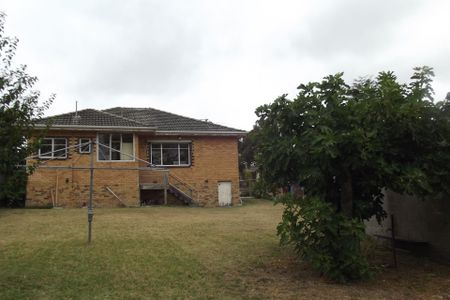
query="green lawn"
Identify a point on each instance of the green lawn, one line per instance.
(177, 252)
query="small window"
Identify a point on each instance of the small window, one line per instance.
(53, 148)
(85, 145)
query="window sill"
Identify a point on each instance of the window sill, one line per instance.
(173, 166)
(115, 161)
(52, 158)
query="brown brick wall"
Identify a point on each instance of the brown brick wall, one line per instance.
(214, 159)
(70, 188)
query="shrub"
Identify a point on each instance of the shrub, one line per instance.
(13, 188)
(259, 189)
(326, 239)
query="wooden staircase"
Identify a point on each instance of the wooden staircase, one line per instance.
(171, 184)
(180, 195)
(181, 190)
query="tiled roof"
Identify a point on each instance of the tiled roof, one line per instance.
(94, 118)
(127, 117)
(166, 121)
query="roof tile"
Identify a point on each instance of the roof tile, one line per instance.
(92, 117)
(137, 117)
(168, 121)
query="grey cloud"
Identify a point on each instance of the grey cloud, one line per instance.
(219, 56)
(354, 28)
(142, 49)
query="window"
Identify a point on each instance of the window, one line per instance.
(85, 145)
(170, 154)
(115, 146)
(53, 148)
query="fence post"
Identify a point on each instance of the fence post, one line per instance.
(166, 183)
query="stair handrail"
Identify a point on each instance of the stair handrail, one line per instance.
(190, 187)
(181, 192)
(181, 181)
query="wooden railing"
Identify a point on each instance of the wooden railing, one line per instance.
(162, 179)
(152, 177)
(183, 187)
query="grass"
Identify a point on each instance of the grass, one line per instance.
(179, 252)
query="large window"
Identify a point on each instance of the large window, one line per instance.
(170, 154)
(115, 146)
(53, 148)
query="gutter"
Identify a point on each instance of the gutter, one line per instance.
(143, 129)
(201, 133)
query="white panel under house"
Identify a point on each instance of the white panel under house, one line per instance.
(224, 189)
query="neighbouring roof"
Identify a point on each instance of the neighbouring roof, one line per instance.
(137, 118)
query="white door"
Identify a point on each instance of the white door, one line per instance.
(224, 193)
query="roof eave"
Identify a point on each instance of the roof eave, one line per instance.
(201, 133)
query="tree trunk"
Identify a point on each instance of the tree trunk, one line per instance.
(347, 194)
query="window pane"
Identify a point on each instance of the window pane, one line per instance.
(115, 144)
(47, 142)
(60, 142)
(103, 139)
(103, 152)
(184, 156)
(127, 138)
(156, 154)
(170, 157)
(115, 138)
(46, 151)
(60, 153)
(184, 146)
(127, 147)
(59, 150)
(170, 146)
(156, 146)
(114, 154)
(127, 151)
(85, 147)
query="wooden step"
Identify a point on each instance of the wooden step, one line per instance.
(180, 194)
(152, 186)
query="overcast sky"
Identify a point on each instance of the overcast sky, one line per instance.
(219, 60)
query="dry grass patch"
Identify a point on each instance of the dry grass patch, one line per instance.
(178, 252)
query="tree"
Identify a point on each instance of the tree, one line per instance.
(246, 149)
(19, 112)
(346, 143)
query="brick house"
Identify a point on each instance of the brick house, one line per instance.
(139, 155)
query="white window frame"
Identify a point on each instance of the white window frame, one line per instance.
(110, 151)
(52, 154)
(189, 143)
(86, 140)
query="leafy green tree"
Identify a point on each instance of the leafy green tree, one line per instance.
(246, 149)
(19, 112)
(346, 143)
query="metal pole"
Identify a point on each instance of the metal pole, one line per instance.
(166, 183)
(394, 251)
(91, 191)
